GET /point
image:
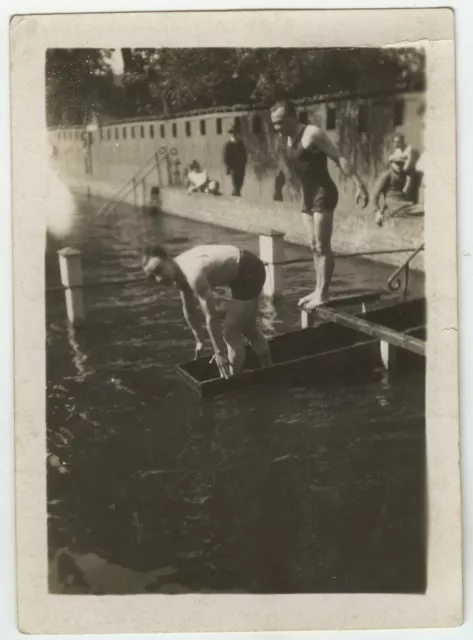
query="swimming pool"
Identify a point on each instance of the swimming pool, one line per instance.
(151, 490)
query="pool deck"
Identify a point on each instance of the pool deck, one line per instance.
(355, 231)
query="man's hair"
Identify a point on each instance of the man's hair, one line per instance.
(288, 106)
(155, 251)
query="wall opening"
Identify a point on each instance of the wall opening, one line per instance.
(151, 131)
(174, 130)
(142, 131)
(363, 118)
(162, 131)
(203, 129)
(218, 125)
(257, 124)
(331, 118)
(399, 108)
(188, 129)
(303, 117)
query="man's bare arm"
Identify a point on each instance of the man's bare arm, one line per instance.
(410, 159)
(191, 315)
(207, 303)
(320, 139)
(380, 190)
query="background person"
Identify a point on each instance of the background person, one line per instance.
(235, 159)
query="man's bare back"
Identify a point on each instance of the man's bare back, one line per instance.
(216, 265)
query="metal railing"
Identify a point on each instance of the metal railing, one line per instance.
(395, 280)
(150, 165)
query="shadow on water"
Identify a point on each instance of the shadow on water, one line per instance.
(270, 490)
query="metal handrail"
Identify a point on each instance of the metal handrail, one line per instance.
(395, 281)
(130, 184)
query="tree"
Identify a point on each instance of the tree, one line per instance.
(78, 82)
(168, 81)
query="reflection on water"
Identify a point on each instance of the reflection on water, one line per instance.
(302, 489)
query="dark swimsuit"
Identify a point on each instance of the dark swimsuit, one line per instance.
(250, 277)
(319, 190)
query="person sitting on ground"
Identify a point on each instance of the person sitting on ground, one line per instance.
(196, 273)
(389, 190)
(198, 180)
(405, 154)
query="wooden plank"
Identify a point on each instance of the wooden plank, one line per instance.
(373, 329)
(340, 300)
(329, 365)
(349, 298)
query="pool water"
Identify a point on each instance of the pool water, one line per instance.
(151, 490)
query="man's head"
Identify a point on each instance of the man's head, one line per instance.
(399, 142)
(234, 133)
(194, 165)
(157, 264)
(284, 117)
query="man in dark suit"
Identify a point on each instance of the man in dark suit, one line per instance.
(234, 158)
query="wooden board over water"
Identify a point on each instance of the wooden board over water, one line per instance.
(329, 351)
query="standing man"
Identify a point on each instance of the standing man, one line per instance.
(195, 273)
(308, 149)
(234, 158)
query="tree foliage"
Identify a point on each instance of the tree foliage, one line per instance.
(167, 81)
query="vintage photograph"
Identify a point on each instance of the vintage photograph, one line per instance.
(236, 374)
(236, 320)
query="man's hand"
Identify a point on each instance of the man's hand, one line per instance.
(379, 217)
(223, 365)
(198, 349)
(362, 195)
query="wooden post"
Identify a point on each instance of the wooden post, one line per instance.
(70, 266)
(388, 354)
(271, 251)
(306, 318)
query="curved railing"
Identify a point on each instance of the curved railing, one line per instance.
(153, 162)
(395, 280)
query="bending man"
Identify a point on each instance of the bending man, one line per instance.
(196, 273)
(308, 148)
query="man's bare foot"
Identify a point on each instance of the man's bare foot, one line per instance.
(317, 300)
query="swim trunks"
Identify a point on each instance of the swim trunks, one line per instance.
(250, 277)
(311, 166)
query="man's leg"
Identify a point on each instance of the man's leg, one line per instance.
(239, 177)
(324, 261)
(308, 222)
(238, 314)
(256, 338)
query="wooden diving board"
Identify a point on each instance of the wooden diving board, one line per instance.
(403, 339)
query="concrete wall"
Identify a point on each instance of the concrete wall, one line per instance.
(118, 150)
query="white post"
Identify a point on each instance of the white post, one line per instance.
(271, 251)
(70, 266)
(388, 353)
(306, 318)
